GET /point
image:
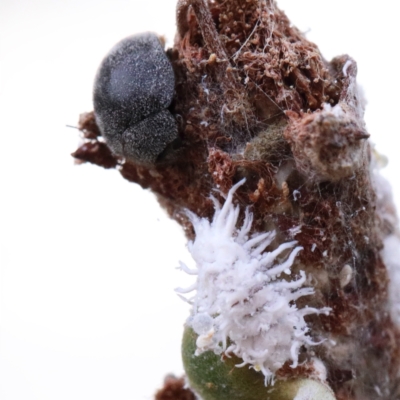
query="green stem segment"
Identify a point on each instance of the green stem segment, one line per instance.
(216, 379)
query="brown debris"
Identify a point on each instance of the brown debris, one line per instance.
(96, 152)
(221, 168)
(305, 370)
(87, 125)
(174, 389)
(93, 150)
(326, 146)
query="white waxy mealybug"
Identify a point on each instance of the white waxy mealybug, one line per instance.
(244, 304)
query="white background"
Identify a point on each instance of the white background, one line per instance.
(87, 259)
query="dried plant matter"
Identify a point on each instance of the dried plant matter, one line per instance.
(255, 99)
(174, 389)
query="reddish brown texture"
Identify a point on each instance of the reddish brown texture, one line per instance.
(95, 152)
(183, 185)
(87, 125)
(325, 147)
(305, 370)
(270, 58)
(221, 168)
(93, 149)
(174, 389)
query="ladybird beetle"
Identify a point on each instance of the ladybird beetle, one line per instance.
(133, 89)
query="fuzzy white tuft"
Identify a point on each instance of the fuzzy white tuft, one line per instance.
(391, 258)
(241, 306)
(391, 244)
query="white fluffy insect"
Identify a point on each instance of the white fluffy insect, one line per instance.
(241, 305)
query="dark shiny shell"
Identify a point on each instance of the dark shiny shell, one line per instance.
(133, 88)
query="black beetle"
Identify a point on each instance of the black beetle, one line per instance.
(133, 88)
